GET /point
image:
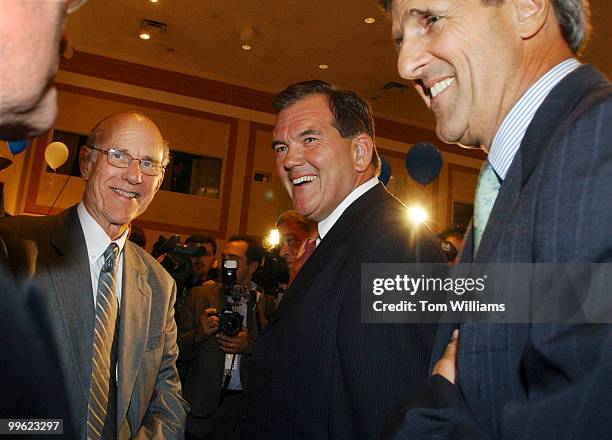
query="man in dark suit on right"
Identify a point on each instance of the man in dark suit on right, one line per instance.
(317, 371)
(503, 76)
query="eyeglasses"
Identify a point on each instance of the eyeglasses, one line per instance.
(73, 5)
(121, 159)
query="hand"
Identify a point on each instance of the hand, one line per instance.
(241, 343)
(209, 323)
(447, 365)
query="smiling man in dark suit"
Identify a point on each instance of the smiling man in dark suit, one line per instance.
(503, 76)
(317, 371)
(109, 304)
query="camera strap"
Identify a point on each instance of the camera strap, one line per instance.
(227, 377)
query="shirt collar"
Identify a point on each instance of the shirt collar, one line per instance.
(96, 238)
(325, 225)
(508, 138)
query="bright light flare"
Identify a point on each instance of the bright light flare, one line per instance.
(417, 215)
(274, 237)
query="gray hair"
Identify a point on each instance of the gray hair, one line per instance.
(574, 18)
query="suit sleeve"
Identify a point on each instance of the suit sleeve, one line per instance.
(166, 414)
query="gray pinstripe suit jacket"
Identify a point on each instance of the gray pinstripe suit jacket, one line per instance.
(538, 381)
(52, 252)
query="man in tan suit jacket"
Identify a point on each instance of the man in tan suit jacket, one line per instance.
(123, 167)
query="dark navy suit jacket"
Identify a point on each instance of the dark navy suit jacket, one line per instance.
(520, 381)
(317, 372)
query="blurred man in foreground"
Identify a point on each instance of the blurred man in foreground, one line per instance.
(30, 34)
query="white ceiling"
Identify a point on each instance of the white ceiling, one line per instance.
(290, 39)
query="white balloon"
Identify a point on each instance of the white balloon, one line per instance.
(56, 154)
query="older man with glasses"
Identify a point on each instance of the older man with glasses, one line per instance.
(110, 304)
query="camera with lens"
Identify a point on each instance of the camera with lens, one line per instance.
(273, 274)
(178, 256)
(230, 321)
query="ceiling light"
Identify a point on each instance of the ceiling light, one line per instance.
(247, 47)
(323, 66)
(153, 1)
(369, 20)
(144, 36)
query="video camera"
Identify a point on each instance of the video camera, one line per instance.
(178, 256)
(273, 273)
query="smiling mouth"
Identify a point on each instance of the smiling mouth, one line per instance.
(128, 194)
(303, 179)
(439, 87)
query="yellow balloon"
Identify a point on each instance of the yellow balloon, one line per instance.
(56, 154)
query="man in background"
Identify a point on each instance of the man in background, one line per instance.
(317, 371)
(109, 303)
(203, 264)
(214, 363)
(504, 76)
(295, 231)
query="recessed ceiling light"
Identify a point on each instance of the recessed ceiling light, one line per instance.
(370, 20)
(144, 36)
(247, 47)
(153, 1)
(323, 66)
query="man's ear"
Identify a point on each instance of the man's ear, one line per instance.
(531, 16)
(85, 161)
(363, 149)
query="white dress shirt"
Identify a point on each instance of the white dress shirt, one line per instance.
(97, 240)
(325, 225)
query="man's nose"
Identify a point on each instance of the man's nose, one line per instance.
(133, 173)
(294, 157)
(413, 57)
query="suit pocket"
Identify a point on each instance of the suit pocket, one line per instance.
(154, 342)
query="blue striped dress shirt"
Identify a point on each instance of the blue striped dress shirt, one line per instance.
(510, 135)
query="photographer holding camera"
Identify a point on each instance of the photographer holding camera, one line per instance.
(217, 325)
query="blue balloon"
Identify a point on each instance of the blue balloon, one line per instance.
(385, 171)
(17, 147)
(424, 162)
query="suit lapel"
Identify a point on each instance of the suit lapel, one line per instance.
(70, 274)
(559, 103)
(133, 327)
(333, 242)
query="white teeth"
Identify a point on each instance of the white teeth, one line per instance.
(303, 179)
(439, 87)
(125, 193)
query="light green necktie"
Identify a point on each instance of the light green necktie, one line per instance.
(487, 189)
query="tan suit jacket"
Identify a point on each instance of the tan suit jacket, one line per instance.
(52, 251)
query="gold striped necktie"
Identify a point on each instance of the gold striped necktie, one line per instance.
(102, 406)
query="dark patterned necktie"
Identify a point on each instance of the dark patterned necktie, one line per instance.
(102, 407)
